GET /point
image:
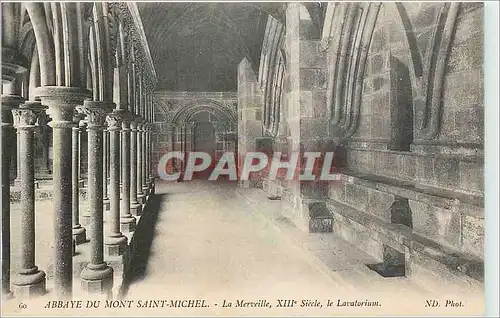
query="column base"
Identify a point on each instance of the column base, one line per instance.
(85, 219)
(29, 284)
(115, 245)
(79, 235)
(127, 224)
(7, 295)
(17, 183)
(136, 209)
(107, 204)
(97, 278)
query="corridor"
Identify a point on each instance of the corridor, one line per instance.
(216, 241)
(95, 96)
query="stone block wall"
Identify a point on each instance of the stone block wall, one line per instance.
(398, 89)
(412, 145)
(176, 118)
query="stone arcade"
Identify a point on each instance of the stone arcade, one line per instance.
(96, 93)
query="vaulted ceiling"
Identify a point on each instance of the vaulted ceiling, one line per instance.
(198, 46)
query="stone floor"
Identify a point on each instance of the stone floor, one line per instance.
(221, 243)
(215, 241)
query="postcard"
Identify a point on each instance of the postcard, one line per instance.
(249, 158)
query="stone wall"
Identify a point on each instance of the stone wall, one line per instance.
(396, 88)
(176, 118)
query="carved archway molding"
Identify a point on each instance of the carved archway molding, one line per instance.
(186, 111)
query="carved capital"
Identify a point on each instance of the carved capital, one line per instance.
(27, 114)
(96, 112)
(24, 118)
(114, 121)
(78, 117)
(133, 125)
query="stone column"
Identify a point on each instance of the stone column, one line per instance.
(79, 232)
(145, 149)
(182, 165)
(115, 241)
(146, 182)
(127, 221)
(61, 102)
(17, 181)
(135, 206)
(83, 126)
(170, 146)
(150, 160)
(140, 163)
(85, 215)
(97, 277)
(105, 161)
(29, 281)
(8, 103)
(44, 137)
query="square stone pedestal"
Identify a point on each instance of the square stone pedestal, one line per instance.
(106, 204)
(29, 286)
(136, 209)
(128, 226)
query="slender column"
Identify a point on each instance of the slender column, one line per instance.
(105, 162)
(29, 281)
(97, 277)
(62, 102)
(127, 221)
(43, 129)
(115, 241)
(183, 150)
(144, 159)
(17, 181)
(85, 216)
(8, 103)
(135, 206)
(170, 147)
(83, 128)
(140, 152)
(79, 232)
(149, 160)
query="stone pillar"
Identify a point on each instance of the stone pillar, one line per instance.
(17, 181)
(250, 105)
(61, 102)
(135, 206)
(127, 221)
(97, 277)
(83, 129)
(140, 163)
(29, 281)
(8, 103)
(85, 215)
(79, 232)
(150, 160)
(170, 147)
(44, 138)
(115, 241)
(105, 171)
(182, 164)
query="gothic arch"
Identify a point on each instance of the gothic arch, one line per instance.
(188, 110)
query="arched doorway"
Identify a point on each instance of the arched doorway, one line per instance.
(204, 140)
(204, 125)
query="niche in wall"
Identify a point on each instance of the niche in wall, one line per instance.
(401, 107)
(394, 262)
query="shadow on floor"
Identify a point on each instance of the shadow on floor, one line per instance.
(142, 240)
